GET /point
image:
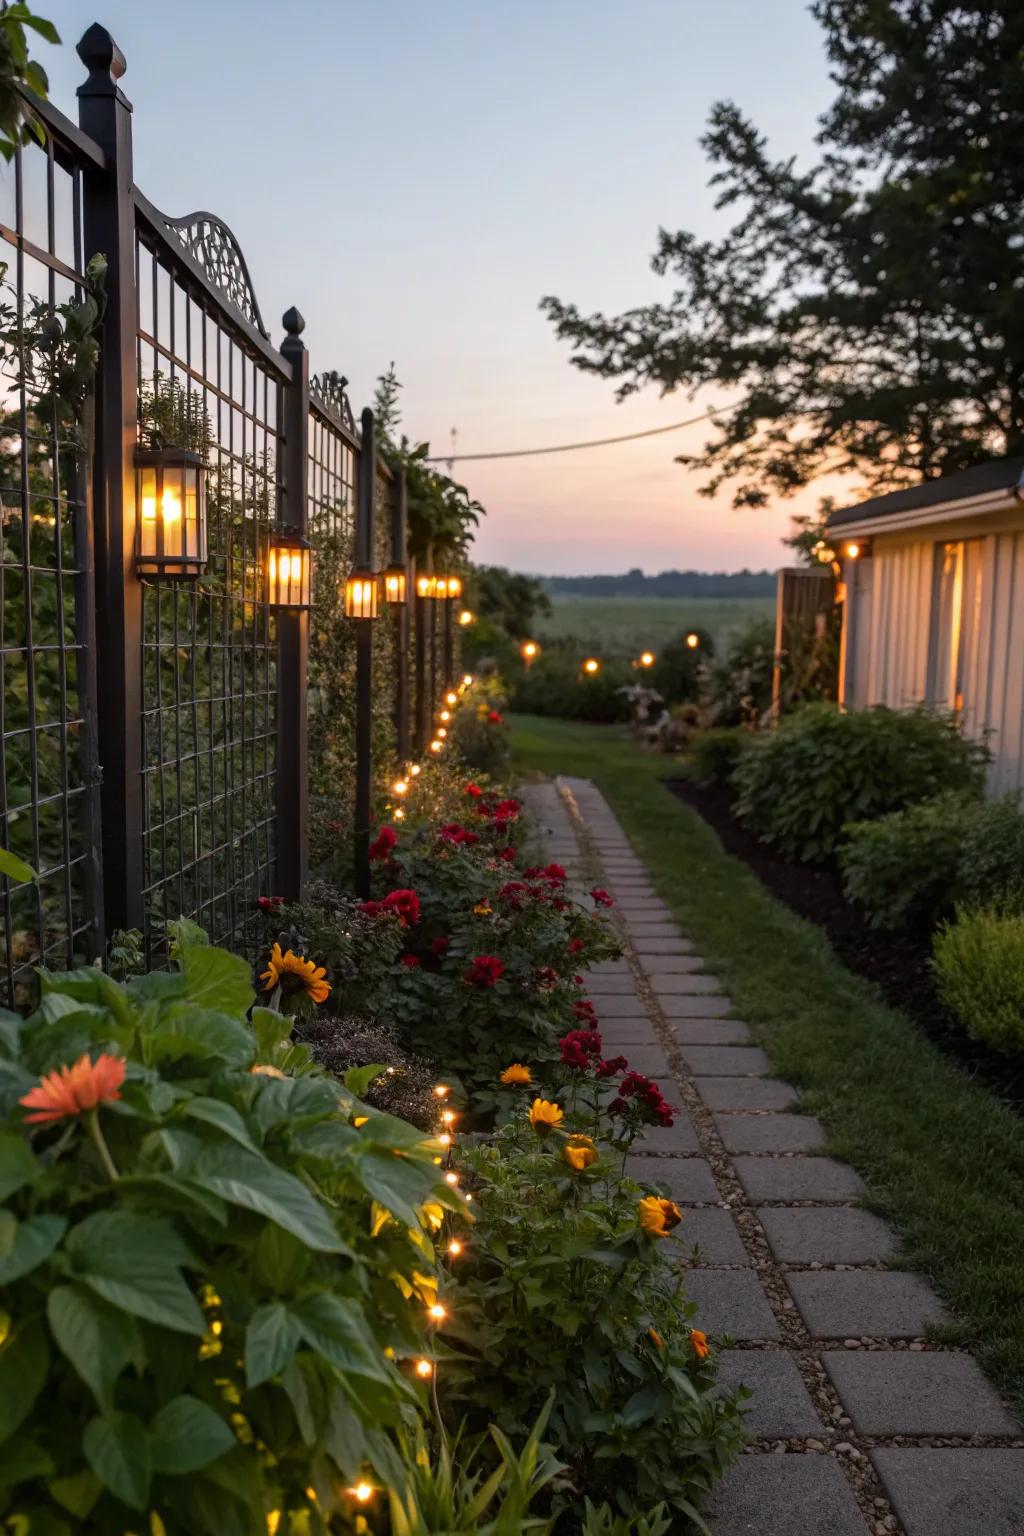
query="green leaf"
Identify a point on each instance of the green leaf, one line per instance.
(98, 1339)
(184, 1030)
(10, 1032)
(34, 1241)
(217, 979)
(358, 1079)
(18, 1166)
(21, 1460)
(185, 935)
(271, 1339)
(77, 1494)
(187, 1435)
(281, 1259)
(394, 1182)
(338, 1330)
(271, 1030)
(24, 1362)
(226, 1118)
(117, 1448)
(250, 1181)
(133, 1262)
(15, 868)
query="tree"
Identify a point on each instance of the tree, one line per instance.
(509, 600)
(869, 311)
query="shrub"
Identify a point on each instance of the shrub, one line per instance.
(800, 784)
(479, 730)
(714, 754)
(905, 868)
(204, 1274)
(991, 867)
(740, 684)
(573, 1281)
(556, 685)
(979, 966)
(678, 670)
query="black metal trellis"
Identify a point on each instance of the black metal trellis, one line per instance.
(154, 731)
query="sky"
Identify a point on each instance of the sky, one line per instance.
(415, 174)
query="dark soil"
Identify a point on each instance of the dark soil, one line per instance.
(898, 963)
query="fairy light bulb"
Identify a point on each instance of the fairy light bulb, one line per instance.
(451, 698)
(435, 746)
(451, 1178)
(448, 1118)
(400, 786)
(437, 1313)
(363, 1492)
(441, 1090)
(455, 1247)
(446, 714)
(424, 1368)
(445, 1139)
(399, 814)
(467, 681)
(415, 771)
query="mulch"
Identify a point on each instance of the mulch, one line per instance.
(899, 964)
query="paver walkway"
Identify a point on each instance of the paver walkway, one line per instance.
(858, 1424)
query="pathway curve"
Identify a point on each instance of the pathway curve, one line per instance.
(858, 1425)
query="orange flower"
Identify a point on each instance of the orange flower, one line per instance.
(579, 1152)
(74, 1090)
(658, 1216)
(700, 1343)
(264, 1069)
(310, 977)
(517, 1076)
(545, 1116)
(656, 1338)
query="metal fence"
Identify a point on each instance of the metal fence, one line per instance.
(154, 732)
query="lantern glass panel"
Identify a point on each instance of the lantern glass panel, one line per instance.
(171, 531)
(288, 575)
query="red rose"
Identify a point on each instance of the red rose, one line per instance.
(507, 810)
(484, 971)
(371, 908)
(547, 978)
(494, 718)
(411, 962)
(382, 844)
(575, 945)
(269, 903)
(555, 873)
(583, 1010)
(601, 898)
(404, 904)
(611, 1067)
(474, 791)
(440, 946)
(579, 1047)
(508, 854)
(455, 834)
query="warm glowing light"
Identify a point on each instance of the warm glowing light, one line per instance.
(451, 698)
(170, 538)
(442, 731)
(415, 770)
(647, 658)
(400, 786)
(852, 551)
(424, 1368)
(399, 814)
(395, 584)
(426, 586)
(454, 586)
(361, 593)
(448, 1118)
(451, 1178)
(466, 617)
(455, 1247)
(363, 1492)
(435, 746)
(288, 568)
(446, 714)
(437, 1313)
(693, 640)
(441, 1090)
(591, 665)
(445, 1139)
(467, 681)
(530, 649)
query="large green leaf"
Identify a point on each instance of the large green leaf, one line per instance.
(396, 1183)
(337, 1328)
(244, 1179)
(10, 1032)
(217, 979)
(98, 1339)
(271, 1030)
(24, 1362)
(226, 1118)
(116, 1446)
(15, 868)
(184, 1030)
(18, 1166)
(21, 1460)
(133, 1262)
(281, 1260)
(358, 1079)
(187, 1435)
(271, 1339)
(32, 1242)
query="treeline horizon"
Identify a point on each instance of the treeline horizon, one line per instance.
(635, 583)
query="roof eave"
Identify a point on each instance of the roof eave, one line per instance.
(938, 512)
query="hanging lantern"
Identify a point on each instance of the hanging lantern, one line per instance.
(395, 584)
(170, 538)
(454, 586)
(426, 586)
(288, 569)
(362, 589)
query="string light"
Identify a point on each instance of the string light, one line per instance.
(448, 1118)
(415, 771)
(437, 1313)
(399, 813)
(445, 714)
(436, 746)
(441, 1090)
(451, 1178)
(424, 1368)
(455, 1247)
(467, 681)
(442, 731)
(363, 1492)
(451, 698)
(647, 658)
(591, 665)
(466, 617)
(693, 640)
(400, 786)
(445, 1139)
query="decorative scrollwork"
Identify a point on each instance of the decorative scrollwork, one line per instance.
(214, 247)
(331, 389)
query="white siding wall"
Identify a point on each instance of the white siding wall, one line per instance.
(1001, 687)
(897, 660)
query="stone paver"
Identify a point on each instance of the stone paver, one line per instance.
(953, 1492)
(769, 1133)
(781, 1406)
(785, 1496)
(932, 1393)
(865, 1303)
(793, 1234)
(686, 1179)
(745, 1092)
(731, 1301)
(725, 1060)
(839, 1236)
(797, 1178)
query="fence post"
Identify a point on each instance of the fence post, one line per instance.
(399, 557)
(364, 558)
(449, 645)
(420, 618)
(293, 632)
(105, 114)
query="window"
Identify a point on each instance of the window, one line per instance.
(956, 625)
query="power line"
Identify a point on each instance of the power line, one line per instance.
(596, 442)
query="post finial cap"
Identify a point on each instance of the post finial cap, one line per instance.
(293, 322)
(100, 54)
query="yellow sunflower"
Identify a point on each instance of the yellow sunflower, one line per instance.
(658, 1216)
(579, 1152)
(545, 1116)
(517, 1076)
(310, 977)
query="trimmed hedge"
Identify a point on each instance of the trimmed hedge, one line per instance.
(979, 967)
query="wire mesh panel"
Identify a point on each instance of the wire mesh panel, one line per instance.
(48, 780)
(209, 711)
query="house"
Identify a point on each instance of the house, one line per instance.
(933, 604)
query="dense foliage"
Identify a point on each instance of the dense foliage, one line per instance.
(740, 681)
(556, 684)
(800, 784)
(714, 754)
(866, 309)
(979, 969)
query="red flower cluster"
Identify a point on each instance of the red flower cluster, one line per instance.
(494, 717)
(404, 904)
(584, 1010)
(554, 874)
(484, 971)
(601, 898)
(575, 946)
(507, 855)
(440, 946)
(547, 978)
(654, 1109)
(455, 834)
(579, 1048)
(411, 962)
(474, 791)
(611, 1066)
(382, 844)
(269, 903)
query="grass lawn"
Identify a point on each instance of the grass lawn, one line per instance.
(624, 626)
(944, 1159)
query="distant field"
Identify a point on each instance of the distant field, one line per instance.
(617, 625)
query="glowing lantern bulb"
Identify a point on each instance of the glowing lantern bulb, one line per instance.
(647, 658)
(591, 665)
(424, 1369)
(448, 1117)
(446, 714)
(853, 550)
(445, 1139)
(451, 698)
(693, 640)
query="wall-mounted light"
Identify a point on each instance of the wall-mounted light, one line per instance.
(288, 569)
(362, 590)
(857, 549)
(170, 537)
(395, 584)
